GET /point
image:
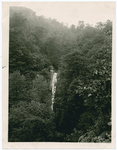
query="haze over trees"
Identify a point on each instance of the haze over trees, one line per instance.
(81, 56)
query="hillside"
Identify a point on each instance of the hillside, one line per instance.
(81, 57)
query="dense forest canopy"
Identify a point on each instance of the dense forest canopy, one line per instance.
(81, 56)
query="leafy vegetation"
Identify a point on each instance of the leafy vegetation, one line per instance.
(81, 56)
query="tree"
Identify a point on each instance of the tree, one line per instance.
(31, 122)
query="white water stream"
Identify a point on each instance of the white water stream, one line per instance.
(53, 85)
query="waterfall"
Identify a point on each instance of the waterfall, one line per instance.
(53, 85)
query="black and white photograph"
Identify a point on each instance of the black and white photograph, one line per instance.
(60, 57)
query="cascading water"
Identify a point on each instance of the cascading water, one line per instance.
(53, 85)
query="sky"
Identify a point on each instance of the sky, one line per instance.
(73, 12)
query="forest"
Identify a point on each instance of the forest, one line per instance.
(82, 58)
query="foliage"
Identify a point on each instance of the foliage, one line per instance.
(105, 137)
(18, 88)
(81, 56)
(83, 96)
(29, 122)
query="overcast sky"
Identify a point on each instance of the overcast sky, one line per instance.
(73, 12)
